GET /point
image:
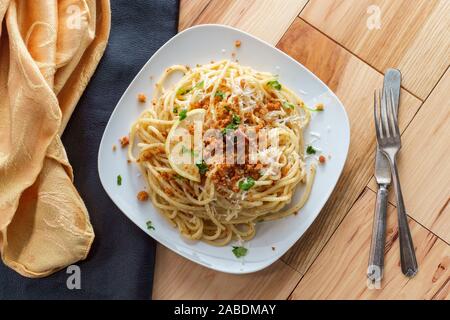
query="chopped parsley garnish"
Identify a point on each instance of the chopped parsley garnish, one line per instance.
(274, 84)
(310, 150)
(229, 128)
(220, 94)
(246, 184)
(239, 251)
(119, 180)
(288, 105)
(202, 167)
(175, 110)
(150, 225)
(183, 91)
(183, 114)
(235, 121)
(200, 84)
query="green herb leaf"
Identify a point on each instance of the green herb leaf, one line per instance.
(288, 105)
(274, 84)
(221, 95)
(150, 225)
(202, 167)
(183, 114)
(239, 251)
(175, 110)
(200, 85)
(183, 91)
(310, 150)
(119, 180)
(236, 119)
(246, 184)
(229, 128)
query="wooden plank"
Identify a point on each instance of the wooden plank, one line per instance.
(414, 36)
(178, 278)
(340, 270)
(189, 11)
(249, 15)
(423, 163)
(354, 83)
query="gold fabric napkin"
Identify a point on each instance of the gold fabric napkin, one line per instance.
(49, 50)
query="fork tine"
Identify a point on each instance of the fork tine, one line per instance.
(393, 119)
(375, 114)
(384, 114)
(390, 116)
(380, 117)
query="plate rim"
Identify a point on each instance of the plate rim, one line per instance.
(260, 265)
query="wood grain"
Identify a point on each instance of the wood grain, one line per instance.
(340, 270)
(414, 35)
(178, 278)
(424, 165)
(189, 12)
(250, 15)
(354, 82)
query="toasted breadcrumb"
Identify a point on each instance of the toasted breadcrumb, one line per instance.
(124, 141)
(237, 43)
(114, 147)
(142, 97)
(142, 196)
(319, 107)
(322, 159)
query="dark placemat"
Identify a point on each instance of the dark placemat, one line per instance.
(121, 262)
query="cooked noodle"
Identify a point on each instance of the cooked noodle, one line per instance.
(210, 200)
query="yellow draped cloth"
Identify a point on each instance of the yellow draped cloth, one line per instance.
(49, 50)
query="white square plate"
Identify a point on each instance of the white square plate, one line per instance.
(199, 45)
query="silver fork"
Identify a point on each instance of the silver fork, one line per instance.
(388, 137)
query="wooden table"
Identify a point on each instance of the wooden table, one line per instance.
(336, 40)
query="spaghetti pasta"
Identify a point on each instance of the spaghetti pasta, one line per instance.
(210, 196)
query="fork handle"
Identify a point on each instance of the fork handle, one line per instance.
(407, 253)
(376, 255)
